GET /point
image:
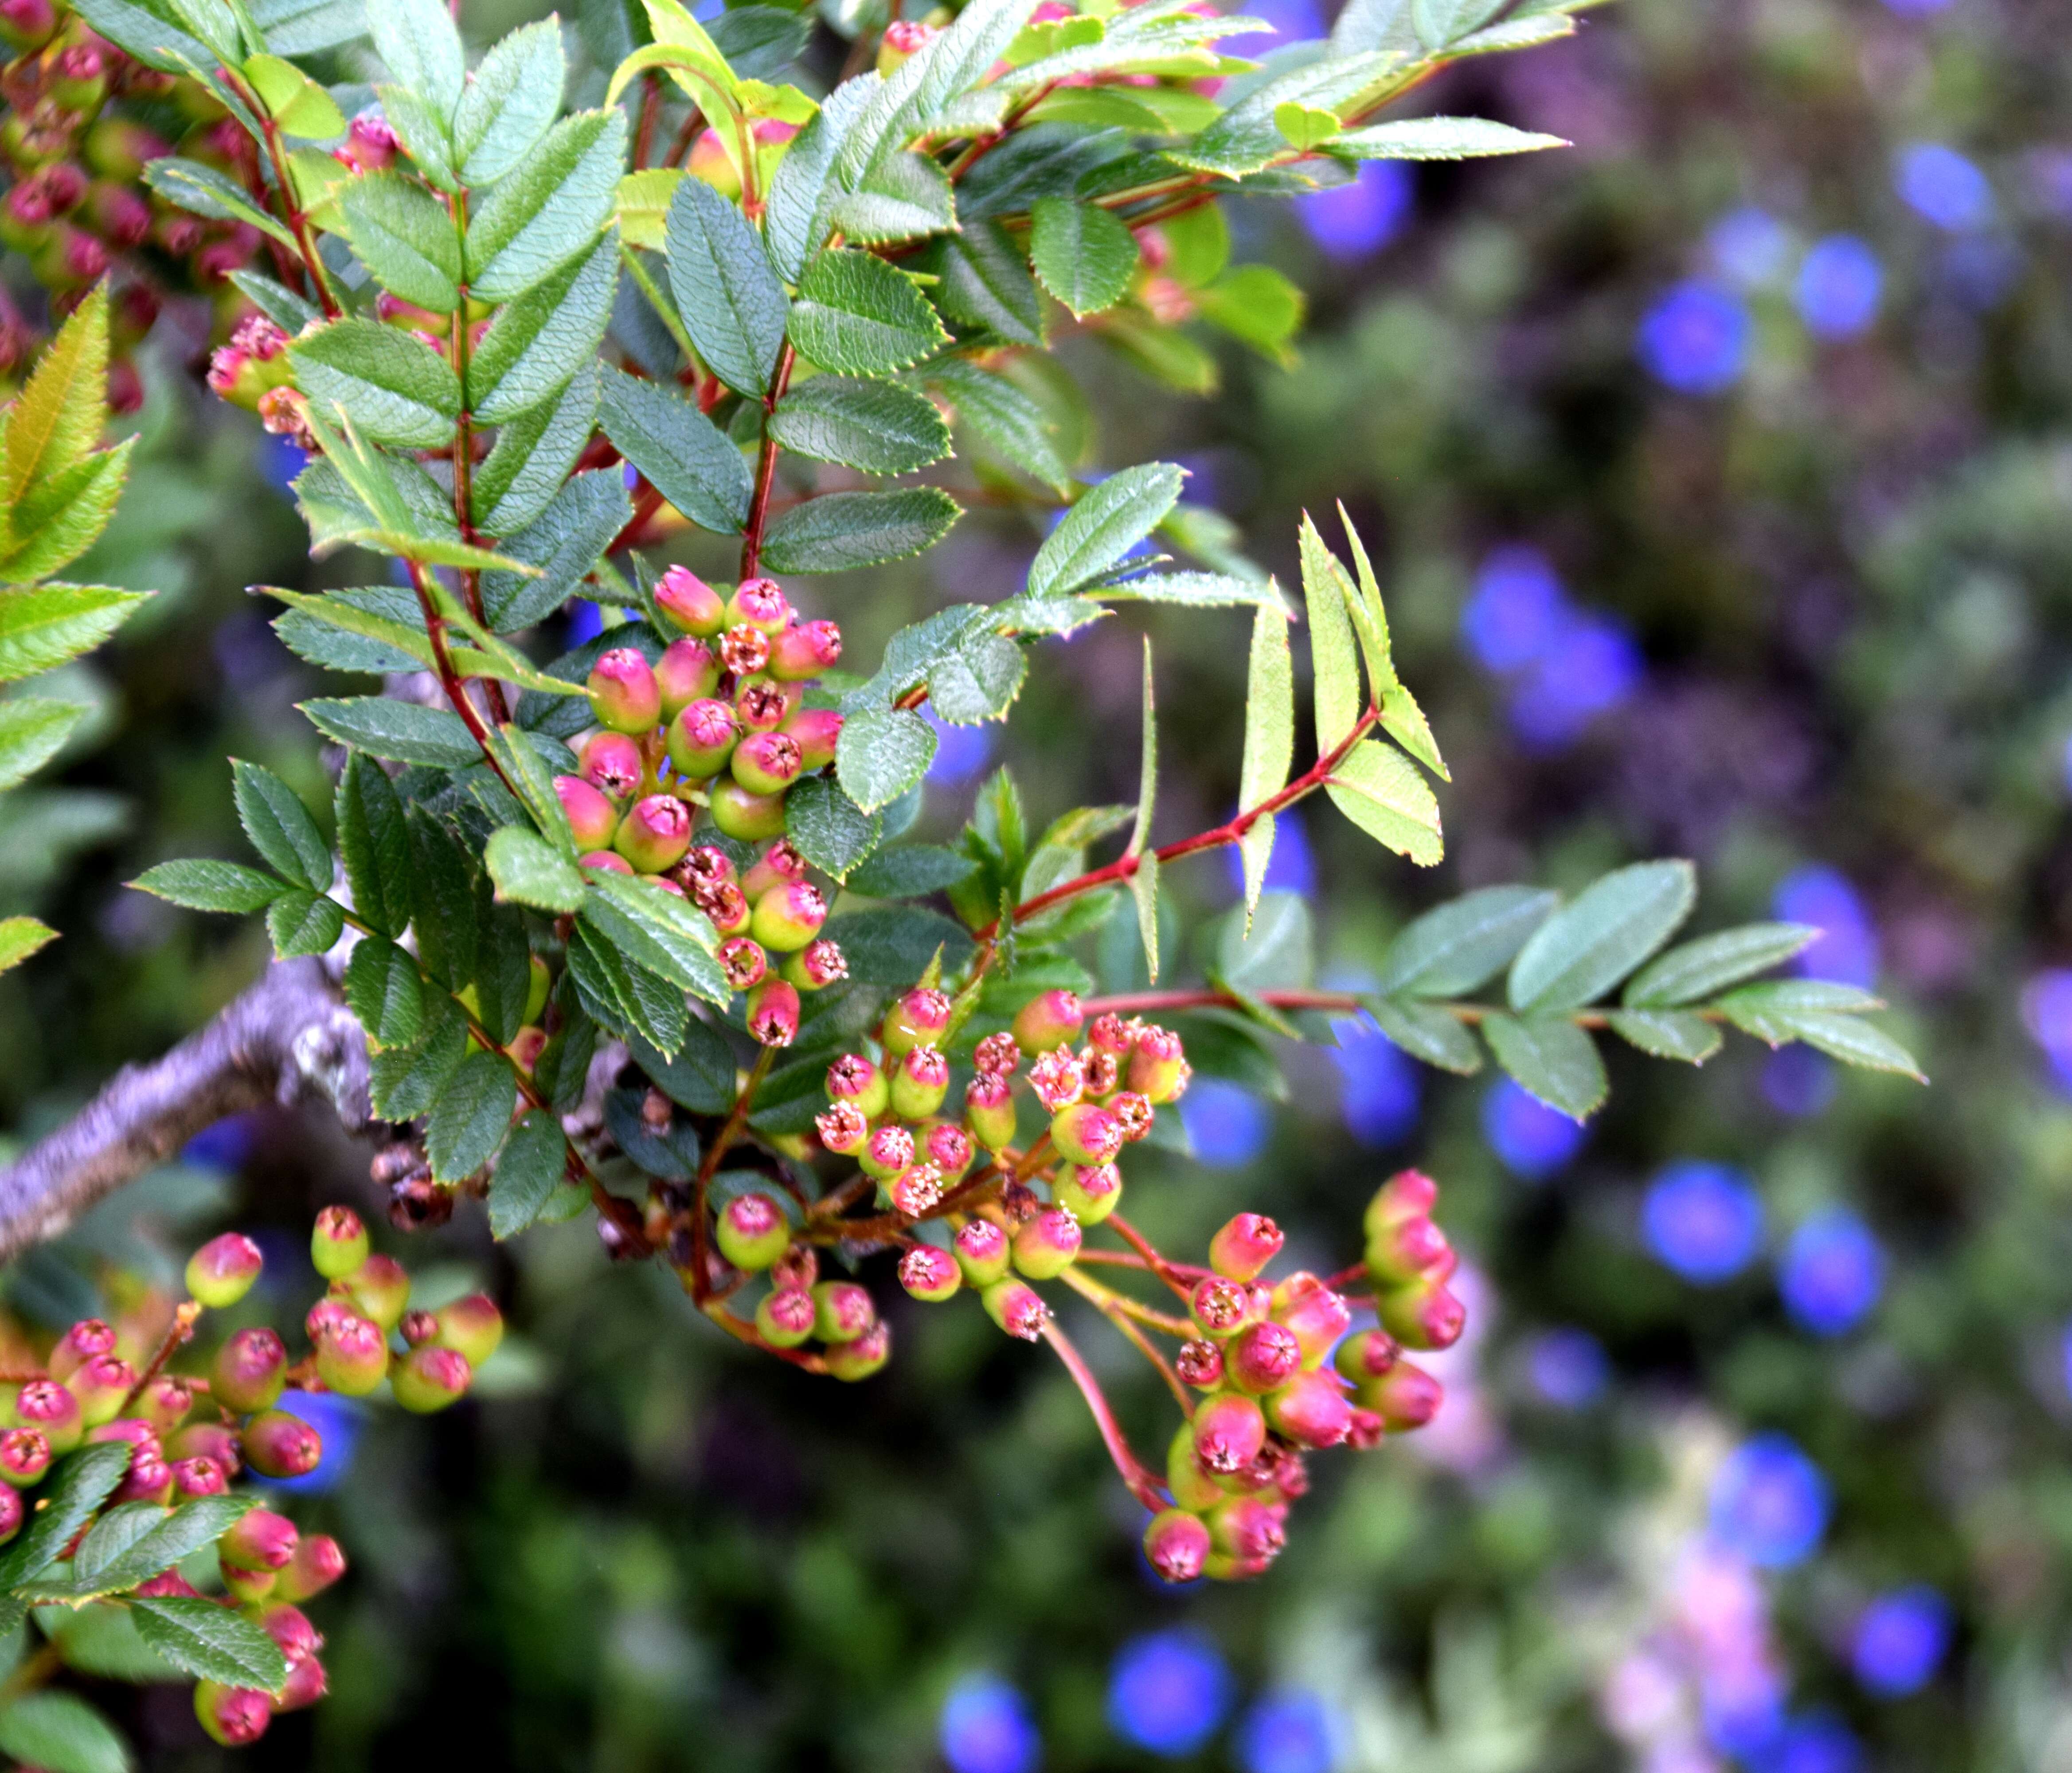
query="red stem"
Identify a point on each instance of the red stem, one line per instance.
(1158, 1265)
(736, 1123)
(766, 472)
(1143, 1485)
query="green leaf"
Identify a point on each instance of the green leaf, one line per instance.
(1378, 789)
(417, 40)
(893, 945)
(1456, 947)
(392, 389)
(1006, 419)
(60, 518)
(20, 938)
(699, 1077)
(374, 842)
(80, 1482)
(1426, 1033)
(1269, 742)
(511, 101)
(794, 221)
(443, 886)
(1668, 1034)
(528, 870)
(32, 727)
(549, 207)
(533, 455)
(1326, 591)
(879, 427)
(1197, 591)
(383, 990)
(402, 731)
(905, 197)
(881, 753)
(1592, 943)
(909, 871)
(202, 191)
(294, 101)
(405, 236)
(1147, 777)
(1084, 254)
(1829, 1020)
(366, 628)
(423, 133)
(281, 305)
(1278, 952)
(503, 972)
(405, 1082)
(985, 282)
(1551, 1059)
(1246, 138)
(564, 542)
(682, 452)
(537, 344)
(534, 1160)
(304, 923)
(211, 1642)
(152, 1541)
(279, 827)
(48, 626)
(58, 416)
(1143, 892)
(978, 679)
(1693, 969)
(839, 530)
(732, 305)
(1439, 138)
(1104, 524)
(622, 996)
(470, 1116)
(211, 886)
(828, 828)
(857, 315)
(63, 1734)
(658, 930)
(147, 31)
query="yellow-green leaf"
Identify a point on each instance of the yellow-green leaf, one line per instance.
(294, 101)
(59, 416)
(1378, 790)
(1327, 592)
(20, 938)
(1269, 741)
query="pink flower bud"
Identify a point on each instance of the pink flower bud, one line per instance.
(861, 1357)
(167, 1585)
(623, 695)
(949, 1149)
(761, 604)
(1222, 1308)
(854, 1079)
(887, 1152)
(418, 1327)
(221, 1272)
(785, 1316)
(786, 917)
(1249, 1530)
(318, 1562)
(929, 1273)
(250, 1369)
(305, 1686)
(1409, 1249)
(1367, 1356)
(352, 1356)
(773, 1012)
(101, 1383)
(1176, 1545)
(371, 142)
(1090, 1194)
(842, 1311)
(1261, 1357)
(920, 1018)
(1047, 1245)
(208, 1440)
(27, 24)
(917, 1190)
(1229, 1430)
(766, 763)
(591, 816)
(1311, 1408)
(920, 1083)
(611, 763)
(1087, 1134)
(744, 650)
(818, 965)
(1158, 1068)
(259, 1540)
(1109, 1033)
(165, 1403)
(48, 1407)
(25, 1456)
(1016, 1307)
(750, 818)
(1316, 1315)
(805, 650)
(1058, 1078)
(689, 672)
(744, 961)
(120, 216)
(997, 1055)
(278, 1445)
(149, 1479)
(816, 731)
(1422, 1314)
(199, 1476)
(655, 833)
(85, 1339)
(1244, 1246)
(1200, 1363)
(690, 603)
(989, 1110)
(430, 1378)
(1404, 1397)
(752, 1231)
(12, 1514)
(233, 1716)
(1409, 1194)
(902, 38)
(1049, 1020)
(289, 1629)
(981, 1252)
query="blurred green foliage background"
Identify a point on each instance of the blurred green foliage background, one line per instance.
(1720, 473)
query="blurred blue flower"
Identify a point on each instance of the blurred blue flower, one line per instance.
(1515, 610)
(585, 623)
(1702, 1221)
(225, 1146)
(1831, 1274)
(1379, 1099)
(2065, 1349)
(1695, 338)
(339, 1421)
(1531, 1140)
(1291, 1731)
(1363, 215)
(1591, 668)
(1817, 1744)
(1750, 245)
(1939, 185)
(1297, 21)
(1900, 1640)
(2050, 179)
(1742, 1704)
(986, 1728)
(1847, 949)
(1227, 1126)
(1168, 1692)
(1800, 1082)
(1915, 9)
(278, 462)
(1292, 868)
(961, 752)
(1980, 270)
(1839, 282)
(2047, 1011)
(1768, 1502)
(1569, 1368)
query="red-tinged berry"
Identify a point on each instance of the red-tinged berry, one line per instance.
(1193, 1488)
(930, 1273)
(121, 217)
(1317, 1316)
(49, 1408)
(1247, 1529)
(1158, 1068)
(862, 1357)
(208, 1440)
(168, 1585)
(101, 1385)
(28, 24)
(1311, 1408)
(1245, 1246)
(856, 1080)
(592, 817)
(818, 965)
(916, 1191)
(1407, 1249)
(766, 762)
(744, 961)
(1406, 1397)
(332, 1308)
(606, 862)
(842, 1311)
(687, 671)
(702, 735)
(752, 1232)
(805, 649)
(289, 1629)
(949, 1149)
(430, 1378)
(370, 144)
(886, 1153)
(760, 604)
(165, 1403)
(798, 1266)
(1367, 1356)
(1423, 1313)
(786, 917)
(1222, 1307)
(12, 1514)
(655, 834)
(307, 1684)
(816, 731)
(707, 867)
(25, 1456)
(780, 865)
(338, 1240)
(233, 1716)
(250, 1369)
(623, 695)
(1409, 1194)
(249, 1587)
(259, 1540)
(1229, 1430)
(989, 1110)
(726, 908)
(773, 1012)
(418, 1327)
(318, 1562)
(352, 1356)
(920, 1083)
(1262, 1356)
(690, 603)
(1134, 1114)
(842, 1129)
(750, 818)
(1047, 1245)
(744, 650)
(1101, 1075)
(149, 1479)
(786, 1316)
(221, 1272)
(85, 1340)
(1176, 1545)
(903, 39)
(997, 1055)
(199, 1476)
(1049, 1020)
(277, 1445)
(1059, 1079)
(761, 706)
(921, 1018)
(981, 1251)
(1365, 1431)
(1087, 1134)
(611, 763)
(1200, 1363)
(1016, 1307)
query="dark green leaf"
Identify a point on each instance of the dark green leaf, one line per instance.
(503, 970)
(532, 455)
(908, 871)
(1694, 969)
(1084, 254)
(789, 1099)
(682, 453)
(468, 1120)
(280, 826)
(1006, 419)
(444, 913)
(209, 1641)
(879, 427)
(383, 990)
(155, 1542)
(80, 1484)
(1426, 1032)
(793, 222)
(701, 1075)
(528, 870)
(533, 1162)
(303, 923)
(1552, 1060)
(624, 997)
(828, 828)
(904, 197)
(402, 731)
(1104, 524)
(146, 29)
(1592, 943)
(1668, 1034)
(565, 542)
(759, 41)
(892, 947)
(62, 1733)
(405, 236)
(406, 1082)
(212, 886)
(659, 931)
(858, 315)
(509, 102)
(537, 344)
(978, 680)
(1458, 947)
(839, 530)
(732, 305)
(985, 282)
(881, 753)
(374, 844)
(551, 205)
(391, 387)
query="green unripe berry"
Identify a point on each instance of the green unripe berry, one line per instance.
(1090, 1194)
(1046, 1245)
(430, 1378)
(786, 1316)
(750, 818)
(929, 1273)
(1087, 1134)
(788, 916)
(920, 1083)
(221, 1272)
(380, 1288)
(752, 1232)
(352, 1356)
(250, 1370)
(338, 1242)
(981, 1250)
(861, 1358)
(842, 1311)
(471, 1327)
(1016, 1307)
